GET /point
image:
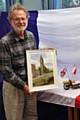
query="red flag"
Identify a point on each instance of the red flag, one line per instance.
(74, 70)
(63, 72)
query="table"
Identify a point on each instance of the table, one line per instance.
(62, 97)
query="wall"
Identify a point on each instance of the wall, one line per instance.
(32, 4)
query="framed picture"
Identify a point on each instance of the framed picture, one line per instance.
(41, 69)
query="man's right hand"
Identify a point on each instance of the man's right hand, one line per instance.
(27, 90)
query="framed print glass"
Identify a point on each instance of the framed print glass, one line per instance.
(41, 69)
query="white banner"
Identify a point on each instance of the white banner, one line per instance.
(61, 29)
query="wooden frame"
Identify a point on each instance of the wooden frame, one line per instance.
(41, 69)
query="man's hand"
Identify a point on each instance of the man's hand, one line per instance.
(50, 48)
(26, 90)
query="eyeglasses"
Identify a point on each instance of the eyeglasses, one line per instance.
(19, 19)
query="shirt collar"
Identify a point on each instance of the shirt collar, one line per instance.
(17, 38)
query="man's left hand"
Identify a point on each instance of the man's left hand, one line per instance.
(50, 48)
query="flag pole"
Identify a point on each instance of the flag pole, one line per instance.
(67, 72)
(70, 82)
(72, 76)
(73, 71)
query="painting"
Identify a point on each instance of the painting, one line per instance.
(41, 69)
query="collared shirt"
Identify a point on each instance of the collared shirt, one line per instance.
(12, 57)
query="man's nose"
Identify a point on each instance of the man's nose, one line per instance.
(20, 20)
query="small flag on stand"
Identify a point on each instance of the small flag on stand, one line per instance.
(63, 72)
(74, 70)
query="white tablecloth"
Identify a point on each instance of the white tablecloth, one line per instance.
(59, 96)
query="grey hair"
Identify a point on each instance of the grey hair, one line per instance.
(17, 6)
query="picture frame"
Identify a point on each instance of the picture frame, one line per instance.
(41, 69)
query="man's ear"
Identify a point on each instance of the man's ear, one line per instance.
(10, 21)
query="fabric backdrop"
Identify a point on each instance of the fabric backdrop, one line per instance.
(61, 29)
(56, 28)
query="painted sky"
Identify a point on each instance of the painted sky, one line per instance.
(35, 58)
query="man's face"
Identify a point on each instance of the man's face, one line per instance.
(19, 22)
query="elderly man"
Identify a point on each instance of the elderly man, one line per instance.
(19, 102)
